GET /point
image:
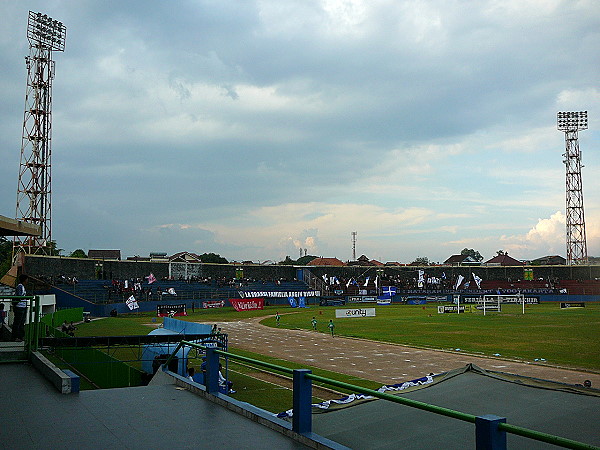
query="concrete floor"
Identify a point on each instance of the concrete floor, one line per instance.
(35, 415)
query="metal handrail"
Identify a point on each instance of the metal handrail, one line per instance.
(513, 429)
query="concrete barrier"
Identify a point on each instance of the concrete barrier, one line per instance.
(65, 381)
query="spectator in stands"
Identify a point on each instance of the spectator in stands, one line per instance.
(19, 310)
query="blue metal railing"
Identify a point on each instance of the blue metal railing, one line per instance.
(490, 430)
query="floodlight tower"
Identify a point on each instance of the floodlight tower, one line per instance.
(354, 246)
(34, 189)
(571, 123)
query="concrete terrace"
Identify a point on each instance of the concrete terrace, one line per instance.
(161, 415)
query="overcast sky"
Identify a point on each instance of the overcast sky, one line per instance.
(253, 129)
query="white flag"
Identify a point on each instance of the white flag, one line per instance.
(459, 280)
(367, 281)
(132, 303)
(477, 281)
(171, 291)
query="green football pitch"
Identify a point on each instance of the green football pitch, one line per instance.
(545, 333)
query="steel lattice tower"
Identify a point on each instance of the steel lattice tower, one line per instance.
(571, 123)
(34, 190)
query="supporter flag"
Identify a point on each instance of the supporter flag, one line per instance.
(367, 281)
(377, 282)
(477, 281)
(171, 291)
(459, 280)
(421, 278)
(292, 301)
(151, 278)
(302, 302)
(389, 291)
(132, 303)
(325, 278)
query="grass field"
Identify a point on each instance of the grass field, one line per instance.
(568, 338)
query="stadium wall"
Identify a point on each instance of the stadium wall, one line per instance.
(94, 269)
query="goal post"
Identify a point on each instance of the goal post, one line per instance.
(493, 302)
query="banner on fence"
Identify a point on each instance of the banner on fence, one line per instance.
(363, 299)
(213, 304)
(444, 309)
(355, 312)
(565, 305)
(170, 310)
(254, 294)
(247, 304)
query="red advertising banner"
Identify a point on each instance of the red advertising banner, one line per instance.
(247, 304)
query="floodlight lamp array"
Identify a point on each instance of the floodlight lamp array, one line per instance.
(46, 32)
(572, 120)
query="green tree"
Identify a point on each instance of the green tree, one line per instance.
(421, 261)
(287, 262)
(472, 253)
(305, 260)
(212, 258)
(52, 249)
(79, 253)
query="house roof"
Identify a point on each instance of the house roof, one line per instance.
(185, 257)
(105, 254)
(550, 260)
(503, 260)
(460, 259)
(326, 262)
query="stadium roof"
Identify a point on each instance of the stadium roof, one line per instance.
(13, 227)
